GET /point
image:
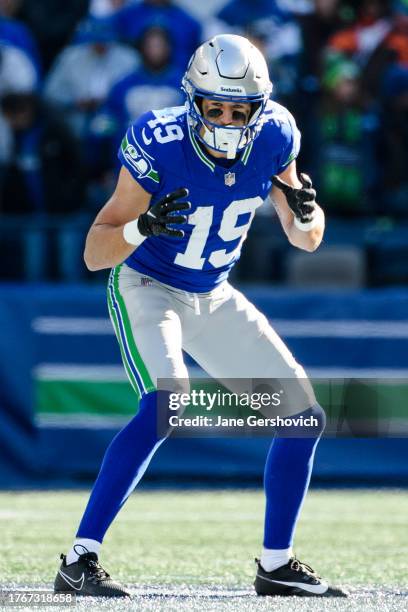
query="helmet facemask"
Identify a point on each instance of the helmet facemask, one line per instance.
(229, 139)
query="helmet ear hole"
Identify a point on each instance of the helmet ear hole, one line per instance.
(198, 101)
(254, 107)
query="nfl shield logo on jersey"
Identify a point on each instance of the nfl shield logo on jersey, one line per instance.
(229, 179)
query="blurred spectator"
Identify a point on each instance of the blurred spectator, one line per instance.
(278, 38)
(5, 144)
(317, 27)
(397, 40)
(391, 53)
(297, 7)
(17, 71)
(156, 84)
(41, 170)
(15, 33)
(341, 139)
(370, 29)
(240, 13)
(84, 73)
(17, 75)
(394, 142)
(52, 24)
(275, 31)
(106, 8)
(184, 30)
(41, 191)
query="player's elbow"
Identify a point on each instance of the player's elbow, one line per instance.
(305, 242)
(312, 240)
(90, 264)
(312, 245)
(91, 251)
(90, 260)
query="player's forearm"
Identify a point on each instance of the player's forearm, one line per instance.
(307, 240)
(106, 247)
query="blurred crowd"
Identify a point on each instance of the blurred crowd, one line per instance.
(73, 76)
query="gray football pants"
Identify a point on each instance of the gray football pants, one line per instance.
(223, 332)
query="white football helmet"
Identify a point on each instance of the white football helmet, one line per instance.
(227, 68)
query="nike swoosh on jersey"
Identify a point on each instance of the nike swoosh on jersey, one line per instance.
(73, 582)
(319, 589)
(145, 138)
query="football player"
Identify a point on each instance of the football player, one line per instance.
(191, 180)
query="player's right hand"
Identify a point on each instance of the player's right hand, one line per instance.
(160, 217)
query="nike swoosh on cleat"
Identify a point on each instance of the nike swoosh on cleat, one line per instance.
(319, 589)
(73, 582)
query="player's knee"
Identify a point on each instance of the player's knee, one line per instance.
(157, 408)
(152, 414)
(315, 418)
(309, 423)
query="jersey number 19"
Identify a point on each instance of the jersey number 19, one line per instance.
(202, 220)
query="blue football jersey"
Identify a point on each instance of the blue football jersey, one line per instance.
(162, 154)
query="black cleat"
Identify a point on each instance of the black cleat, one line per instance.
(87, 577)
(293, 579)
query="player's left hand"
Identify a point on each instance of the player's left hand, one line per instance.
(301, 201)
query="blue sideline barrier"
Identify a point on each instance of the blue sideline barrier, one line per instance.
(374, 337)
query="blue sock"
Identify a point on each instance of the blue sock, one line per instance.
(287, 475)
(124, 464)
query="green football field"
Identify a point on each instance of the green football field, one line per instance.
(194, 550)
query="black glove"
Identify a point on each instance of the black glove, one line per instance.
(301, 201)
(159, 216)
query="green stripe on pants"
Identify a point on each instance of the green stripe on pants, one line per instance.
(137, 360)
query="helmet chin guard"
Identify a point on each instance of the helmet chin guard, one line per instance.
(225, 139)
(227, 68)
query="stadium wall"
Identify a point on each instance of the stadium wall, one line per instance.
(63, 393)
